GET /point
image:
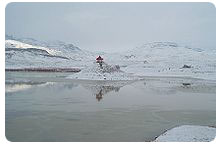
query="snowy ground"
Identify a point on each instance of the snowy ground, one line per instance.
(188, 133)
(104, 72)
(167, 59)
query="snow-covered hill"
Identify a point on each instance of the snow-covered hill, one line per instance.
(17, 45)
(169, 59)
(21, 53)
(150, 59)
(55, 45)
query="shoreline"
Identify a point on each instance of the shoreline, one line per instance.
(187, 133)
(76, 70)
(43, 69)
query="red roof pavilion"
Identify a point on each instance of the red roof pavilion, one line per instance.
(99, 58)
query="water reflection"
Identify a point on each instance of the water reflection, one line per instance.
(69, 86)
(100, 89)
(68, 110)
(186, 85)
(155, 86)
(19, 86)
(104, 90)
(173, 85)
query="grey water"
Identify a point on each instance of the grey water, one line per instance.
(49, 107)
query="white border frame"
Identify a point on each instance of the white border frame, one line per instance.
(3, 4)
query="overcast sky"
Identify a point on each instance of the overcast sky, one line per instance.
(114, 26)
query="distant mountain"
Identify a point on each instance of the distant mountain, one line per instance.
(29, 52)
(155, 58)
(56, 45)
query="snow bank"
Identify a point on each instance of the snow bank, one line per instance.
(188, 133)
(104, 72)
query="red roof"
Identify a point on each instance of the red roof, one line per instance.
(99, 58)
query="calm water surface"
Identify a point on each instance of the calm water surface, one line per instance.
(48, 107)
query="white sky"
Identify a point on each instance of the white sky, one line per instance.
(114, 26)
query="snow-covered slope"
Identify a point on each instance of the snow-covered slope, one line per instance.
(13, 44)
(55, 45)
(68, 50)
(104, 72)
(169, 59)
(36, 54)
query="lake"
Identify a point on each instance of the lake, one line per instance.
(42, 106)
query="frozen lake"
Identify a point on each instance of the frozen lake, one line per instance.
(49, 107)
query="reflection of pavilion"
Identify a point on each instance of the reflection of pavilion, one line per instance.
(104, 90)
(99, 89)
(99, 95)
